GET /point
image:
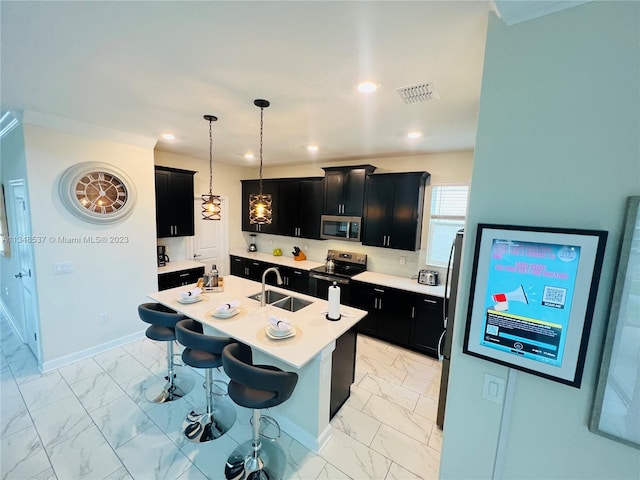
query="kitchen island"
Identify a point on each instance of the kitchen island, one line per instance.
(305, 416)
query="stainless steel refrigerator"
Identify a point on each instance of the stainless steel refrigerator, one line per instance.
(448, 313)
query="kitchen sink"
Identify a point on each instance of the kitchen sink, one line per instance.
(270, 296)
(293, 304)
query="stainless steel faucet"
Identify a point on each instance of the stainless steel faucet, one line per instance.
(263, 300)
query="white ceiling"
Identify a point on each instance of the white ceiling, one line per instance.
(152, 67)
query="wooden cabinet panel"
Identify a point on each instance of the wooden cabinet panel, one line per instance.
(393, 210)
(344, 189)
(179, 278)
(174, 202)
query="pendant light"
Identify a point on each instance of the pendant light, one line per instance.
(260, 204)
(211, 204)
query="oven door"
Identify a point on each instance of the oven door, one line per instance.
(319, 286)
(342, 228)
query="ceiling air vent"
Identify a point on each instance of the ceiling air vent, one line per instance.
(418, 93)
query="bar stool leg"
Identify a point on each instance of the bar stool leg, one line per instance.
(175, 386)
(217, 418)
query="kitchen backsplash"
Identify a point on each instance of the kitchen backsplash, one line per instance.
(382, 260)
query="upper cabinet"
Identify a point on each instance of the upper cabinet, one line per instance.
(299, 208)
(344, 189)
(393, 210)
(252, 187)
(174, 202)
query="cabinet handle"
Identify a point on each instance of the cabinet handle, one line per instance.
(184, 275)
(430, 301)
(413, 312)
(388, 240)
(378, 290)
(380, 304)
(375, 302)
(296, 272)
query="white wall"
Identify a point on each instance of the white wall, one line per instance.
(557, 145)
(107, 278)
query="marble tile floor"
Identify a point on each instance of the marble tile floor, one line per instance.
(90, 420)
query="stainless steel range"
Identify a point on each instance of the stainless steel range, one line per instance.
(344, 265)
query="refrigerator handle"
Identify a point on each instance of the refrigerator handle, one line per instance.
(440, 340)
(446, 285)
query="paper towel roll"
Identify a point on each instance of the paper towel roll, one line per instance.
(334, 302)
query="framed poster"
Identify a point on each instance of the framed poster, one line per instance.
(616, 409)
(532, 296)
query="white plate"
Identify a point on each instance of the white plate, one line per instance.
(226, 313)
(278, 334)
(187, 300)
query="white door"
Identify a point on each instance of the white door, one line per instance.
(24, 251)
(210, 240)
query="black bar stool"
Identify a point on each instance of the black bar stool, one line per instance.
(256, 387)
(163, 322)
(205, 351)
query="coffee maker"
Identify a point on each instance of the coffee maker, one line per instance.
(163, 258)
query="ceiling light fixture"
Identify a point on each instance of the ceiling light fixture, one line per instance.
(168, 136)
(312, 148)
(414, 135)
(367, 87)
(249, 156)
(211, 204)
(260, 204)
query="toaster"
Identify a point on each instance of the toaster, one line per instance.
(428, 277)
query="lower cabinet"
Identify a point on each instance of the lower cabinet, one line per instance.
(292, 278)
(404, 318)
(343, 368)
(179, 278)
(248, 268)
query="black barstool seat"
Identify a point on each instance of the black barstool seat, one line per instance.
(204, 351)
(256, 387)
(162, 322)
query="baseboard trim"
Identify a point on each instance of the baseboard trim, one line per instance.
(302, 436)
(89, 352)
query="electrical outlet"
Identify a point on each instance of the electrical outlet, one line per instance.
(63, 267)
(403, 260)
(305, 247)
(270, 242)
(6, 291)
(104, 318)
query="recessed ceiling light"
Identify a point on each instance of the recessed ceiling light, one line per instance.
(168, 136)
(312, 148)
(414, 135)
(249, 156)
(367, 87)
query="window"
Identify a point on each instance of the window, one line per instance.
(448, 215)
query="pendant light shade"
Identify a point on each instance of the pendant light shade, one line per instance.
(260, 205)
(211, 204)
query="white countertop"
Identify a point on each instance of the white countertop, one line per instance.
(314, 331)
(179, 265)
(400, 283)
(285, 259)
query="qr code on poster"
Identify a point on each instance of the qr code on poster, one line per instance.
(554, 297)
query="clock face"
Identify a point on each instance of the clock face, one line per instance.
(97, 192)
(101, 192)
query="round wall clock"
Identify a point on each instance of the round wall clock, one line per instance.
(97, 192)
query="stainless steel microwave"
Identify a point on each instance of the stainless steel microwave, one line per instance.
(339, 227)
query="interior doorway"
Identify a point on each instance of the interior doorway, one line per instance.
(210, 242)
(20, 220)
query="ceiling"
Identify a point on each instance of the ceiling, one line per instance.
(154, 67)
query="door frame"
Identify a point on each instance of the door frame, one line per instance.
(30, 312)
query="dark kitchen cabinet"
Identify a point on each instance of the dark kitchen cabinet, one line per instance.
(428, 323)
(389, 312)
(393, 210)
(179, 278)
(174, 202)
(343, 367)
(344, 189)
(251, 187)
(248, 268)
(299, 207)
(404, 318)
(292, 279)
